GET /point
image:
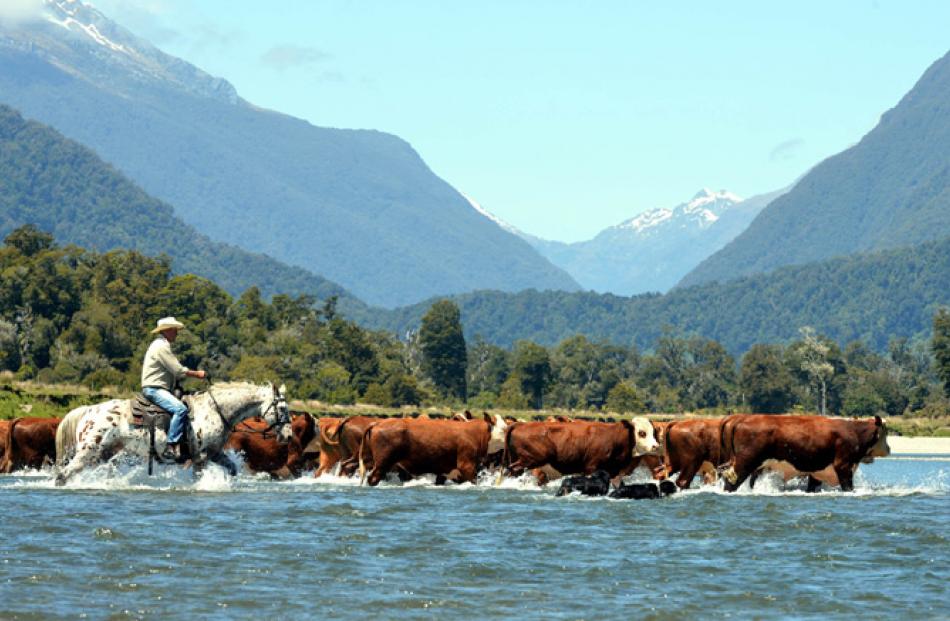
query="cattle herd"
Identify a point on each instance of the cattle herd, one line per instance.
(593, 456)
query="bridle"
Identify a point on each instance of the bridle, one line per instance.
(279, 419)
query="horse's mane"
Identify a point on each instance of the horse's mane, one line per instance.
(236, 385)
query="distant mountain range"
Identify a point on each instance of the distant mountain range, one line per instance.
(654, 250)
(870, 297)
(65, 189)
(884, 203)
(891, 189)
(359, 207)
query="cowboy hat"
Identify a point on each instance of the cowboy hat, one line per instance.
(168, 323)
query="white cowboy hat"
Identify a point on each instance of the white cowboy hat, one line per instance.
(168, 323)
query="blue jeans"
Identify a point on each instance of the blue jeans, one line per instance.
(167, 401)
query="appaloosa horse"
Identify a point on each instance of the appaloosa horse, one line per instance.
(94, 434)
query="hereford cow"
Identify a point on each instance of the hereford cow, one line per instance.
(262, 452)
(579, 447)
(828, 449)
(4, 425)
(451, 450)
(339, 442)
(29, 443)
(692, 447)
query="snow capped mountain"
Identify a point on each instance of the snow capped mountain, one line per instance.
(359, 207)
(652, 251)
(701, 211)
(99, 50)
(508, 227)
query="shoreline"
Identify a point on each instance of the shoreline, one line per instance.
(903, 445)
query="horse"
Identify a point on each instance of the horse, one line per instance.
(94, 434)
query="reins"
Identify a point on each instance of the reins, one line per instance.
(231, 428)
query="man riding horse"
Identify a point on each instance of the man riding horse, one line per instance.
(161, 371)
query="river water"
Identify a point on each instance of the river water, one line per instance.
(118, 544)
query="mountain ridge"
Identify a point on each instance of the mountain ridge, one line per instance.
(63, 188)
(889, 190)
(653, 250)
(359, 207)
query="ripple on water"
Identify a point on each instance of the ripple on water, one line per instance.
(117, 540)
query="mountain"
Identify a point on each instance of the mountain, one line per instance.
(891, 189)
(654, 250)
(359, 207)
(65, 189)
(871, 297)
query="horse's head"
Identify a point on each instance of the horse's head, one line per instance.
(277, 415)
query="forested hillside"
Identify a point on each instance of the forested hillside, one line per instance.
(64, 188)
(359, 207)
(871, 297)
(71, 315)
(891, 189)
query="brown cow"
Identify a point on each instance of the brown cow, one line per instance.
(578, 447)
(815, 445)
(339, 442)
(4, 424)
(262, 452)
(451, 450)
(692, 447)
(29, 443)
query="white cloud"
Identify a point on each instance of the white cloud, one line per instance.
(286, 56)
(20, 10)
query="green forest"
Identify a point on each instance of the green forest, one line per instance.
(867, 297)
(71, 315)
(66, 189)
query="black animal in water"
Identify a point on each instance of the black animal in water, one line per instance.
(598, 484)
(644, 490)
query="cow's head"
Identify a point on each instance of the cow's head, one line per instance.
(880, 447)
(497, 428)
(644, 442)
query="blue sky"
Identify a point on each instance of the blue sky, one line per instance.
(564, 118)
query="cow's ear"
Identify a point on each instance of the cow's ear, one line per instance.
(878, 421)
(488, 418)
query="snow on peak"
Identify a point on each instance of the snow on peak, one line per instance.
(80, 18)
(508, 227)
(701, 211)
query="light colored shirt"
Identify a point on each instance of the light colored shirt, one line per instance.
(161, 368)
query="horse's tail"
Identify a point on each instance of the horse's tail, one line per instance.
(7, 462)
(363, 441)
(505, 455)
(66, 436)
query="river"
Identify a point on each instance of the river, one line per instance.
(119, 544)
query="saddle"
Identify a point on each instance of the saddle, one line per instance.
(147, 415)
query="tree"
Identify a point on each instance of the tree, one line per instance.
(624, 398)
(532, 366)
(940, 345)
(487, 368)
(443, 348)
(765, 380)
(814, 362)
(29, 240)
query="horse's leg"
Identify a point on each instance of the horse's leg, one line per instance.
(225, 462)
(83, 458)
(97, 438)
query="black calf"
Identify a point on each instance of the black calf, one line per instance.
(644, 490)
(597, 484)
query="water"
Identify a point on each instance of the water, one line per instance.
(118, 544)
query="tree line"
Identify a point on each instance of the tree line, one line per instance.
(71, 315)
